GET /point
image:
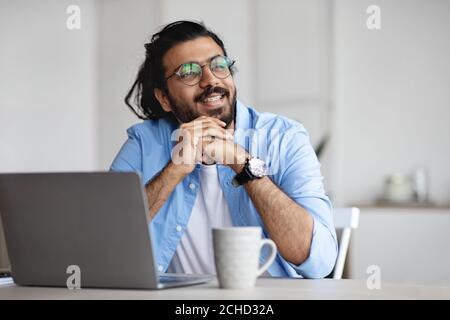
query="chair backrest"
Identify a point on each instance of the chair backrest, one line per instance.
(345, 219)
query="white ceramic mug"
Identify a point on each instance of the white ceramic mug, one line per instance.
(236, 256)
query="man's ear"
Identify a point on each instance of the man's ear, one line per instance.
(162, 99)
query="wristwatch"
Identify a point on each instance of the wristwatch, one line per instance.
(254, 168)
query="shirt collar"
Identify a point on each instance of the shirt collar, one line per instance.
(243, 124)
(242, 116)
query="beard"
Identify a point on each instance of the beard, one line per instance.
(184, 113)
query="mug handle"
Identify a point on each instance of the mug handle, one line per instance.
(270, 259)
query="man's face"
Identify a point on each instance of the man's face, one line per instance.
(190, 102)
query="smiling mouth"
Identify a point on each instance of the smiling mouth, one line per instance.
(213, 100)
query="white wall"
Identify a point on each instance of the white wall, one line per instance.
(291, 50)
(48, 81)
(392, 97)
(124, 27)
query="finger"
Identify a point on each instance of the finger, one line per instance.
(208, 128)
(218, 121)
(217, 150)
(205, 119)
(217, 133)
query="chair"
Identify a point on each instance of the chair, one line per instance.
(345, 219)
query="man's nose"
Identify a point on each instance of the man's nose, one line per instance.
(208, 78)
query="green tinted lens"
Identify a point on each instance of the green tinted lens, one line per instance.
(220, 66)
(190, 72)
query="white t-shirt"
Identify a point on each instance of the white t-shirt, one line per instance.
(194, 253)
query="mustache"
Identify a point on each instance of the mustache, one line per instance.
(211, 90)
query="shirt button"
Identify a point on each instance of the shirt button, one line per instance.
(160, 268)
(179, 228)
(191, 186)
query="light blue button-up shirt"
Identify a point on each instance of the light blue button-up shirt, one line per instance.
(282, 143)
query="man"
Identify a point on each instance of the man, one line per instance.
(209, 161)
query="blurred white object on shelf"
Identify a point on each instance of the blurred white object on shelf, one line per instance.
(398, 189)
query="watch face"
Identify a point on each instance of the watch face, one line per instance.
(257, 167)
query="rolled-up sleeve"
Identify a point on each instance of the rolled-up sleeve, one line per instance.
(300, 178)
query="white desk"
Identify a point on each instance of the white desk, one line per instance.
(266, 288)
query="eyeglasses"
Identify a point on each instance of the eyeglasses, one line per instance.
(190, 73)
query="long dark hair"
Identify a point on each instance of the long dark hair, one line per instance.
(140, 98)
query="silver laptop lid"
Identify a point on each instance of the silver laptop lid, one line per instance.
(96, 221)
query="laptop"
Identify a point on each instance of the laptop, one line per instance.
(92, 223)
